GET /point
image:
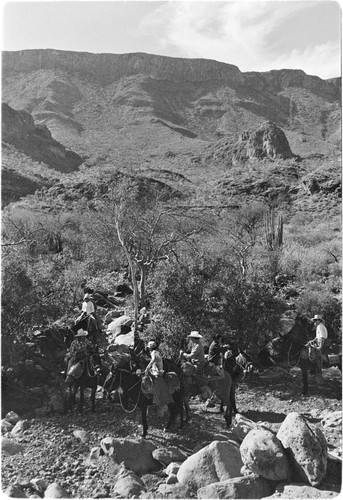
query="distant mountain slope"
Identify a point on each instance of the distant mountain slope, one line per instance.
(95, 102)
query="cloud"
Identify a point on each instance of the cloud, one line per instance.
(252, 35)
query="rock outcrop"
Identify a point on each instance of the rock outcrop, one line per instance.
(18, 128)
(268, 141)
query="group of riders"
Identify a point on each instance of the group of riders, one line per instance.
(193, 362)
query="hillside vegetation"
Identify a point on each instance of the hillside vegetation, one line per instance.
(198, 141)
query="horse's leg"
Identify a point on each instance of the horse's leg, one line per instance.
(93, 397)
(187, 409)
(233, 397)
(303, 367)
(82, 397)
(144, 408)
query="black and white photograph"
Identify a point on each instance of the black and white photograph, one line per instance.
(171, 301)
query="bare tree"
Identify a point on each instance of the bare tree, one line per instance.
(149, 230)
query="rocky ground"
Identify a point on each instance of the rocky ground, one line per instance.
(57, 447)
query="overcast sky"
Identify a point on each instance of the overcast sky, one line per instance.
(253, 35)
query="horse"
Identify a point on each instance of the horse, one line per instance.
(91, 376)
(127, 381)
(293, 349)
(90, 324)
(238, 367)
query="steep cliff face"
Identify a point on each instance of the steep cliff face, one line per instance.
(18, 129)
(107, 68)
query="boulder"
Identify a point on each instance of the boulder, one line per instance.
(262, 452)
(6, 426)
(172, 491)
(136, 455)
(172, 468)
(15, 491)
(39, 484)
(82, 435)
(111, 315)
(127, 484)
(306, 447)
(55, 490)
(218, 461)
(238, 487)
(12, 417)
(169, 455)
(11, 447)
(20, 427)
(300, 491)
(119, 326)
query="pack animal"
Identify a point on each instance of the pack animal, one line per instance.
(91, 376)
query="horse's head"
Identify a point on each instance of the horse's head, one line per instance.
(300, 332)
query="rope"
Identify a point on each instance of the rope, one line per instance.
(290, 364)
(120, 399)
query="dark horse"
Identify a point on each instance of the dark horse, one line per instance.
(128, 384)
(292, 349)
(92, 375)
(89, 324)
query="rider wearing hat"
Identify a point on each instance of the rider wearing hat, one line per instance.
(197, 354)
(79, 349)
(160, 389)
(318, 342)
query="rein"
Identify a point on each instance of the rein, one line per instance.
(293, 364)
(119, 392)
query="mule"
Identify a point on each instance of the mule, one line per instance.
(92, 375)
(128, 384)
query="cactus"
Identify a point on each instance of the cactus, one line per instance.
(273, 230)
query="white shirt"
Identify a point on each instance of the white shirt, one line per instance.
(88, 307)
(321, 332)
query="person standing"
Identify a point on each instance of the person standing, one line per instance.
(215, 353)
(160, 389)
(318, 342)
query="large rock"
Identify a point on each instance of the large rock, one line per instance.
(55, 490)
(306, 446)
(238, 487)
(11, 447)
(172, 491)
(127, 484)
(262, 452)
(119, 326)
(15, 491)
(136, 455)
(6, 426)
(20, 427)
(169, 455)
(12, 417)
(300, 491)
(218, 461)
(268, 141)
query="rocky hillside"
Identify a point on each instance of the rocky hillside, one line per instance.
(156, 115)
(32, 143)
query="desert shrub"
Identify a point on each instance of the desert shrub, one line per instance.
(210, 296)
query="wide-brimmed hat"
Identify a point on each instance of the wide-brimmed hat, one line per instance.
(194, 335)
(152, 345)
(81, 333)
(317, 316)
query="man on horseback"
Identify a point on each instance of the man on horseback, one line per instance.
(317, 344)
(197, 354)
(79, 350)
